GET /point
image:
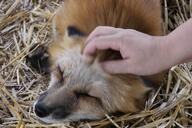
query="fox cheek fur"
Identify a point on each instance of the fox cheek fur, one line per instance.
(79, 90)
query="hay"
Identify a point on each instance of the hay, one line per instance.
(24, 23)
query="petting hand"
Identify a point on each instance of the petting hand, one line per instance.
(142, 54)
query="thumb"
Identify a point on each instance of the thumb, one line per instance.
(115, 66)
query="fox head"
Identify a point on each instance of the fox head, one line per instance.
(80, 90)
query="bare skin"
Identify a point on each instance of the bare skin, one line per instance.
(142, 54)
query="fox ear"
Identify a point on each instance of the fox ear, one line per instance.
(74, 31)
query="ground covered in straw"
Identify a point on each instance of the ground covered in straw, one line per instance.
(24, 23)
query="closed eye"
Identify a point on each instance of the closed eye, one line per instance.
(83, 94)
(59, 74)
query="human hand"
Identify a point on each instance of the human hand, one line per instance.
(142, 54)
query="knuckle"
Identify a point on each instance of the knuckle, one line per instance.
(99, 28)
(93, 43)
(131, 30)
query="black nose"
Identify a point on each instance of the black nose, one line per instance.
(41, 110)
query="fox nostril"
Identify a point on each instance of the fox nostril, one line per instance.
(42, 96)
(41, 110)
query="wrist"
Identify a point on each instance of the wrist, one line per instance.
(165, 53)
(173, 50)
(180, 43)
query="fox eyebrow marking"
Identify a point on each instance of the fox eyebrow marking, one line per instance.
(74, 31)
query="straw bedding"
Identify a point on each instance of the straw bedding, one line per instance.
(24, 23)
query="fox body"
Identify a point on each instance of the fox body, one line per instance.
(80, 90)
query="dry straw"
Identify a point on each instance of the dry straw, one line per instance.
(24, 23)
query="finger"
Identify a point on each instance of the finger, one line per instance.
(115, 66)
(102, 43)
(101, 31)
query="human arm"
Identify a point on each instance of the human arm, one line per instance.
(142, 54)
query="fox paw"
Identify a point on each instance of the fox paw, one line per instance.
(39, 58)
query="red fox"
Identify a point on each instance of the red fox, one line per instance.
(80, 90)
